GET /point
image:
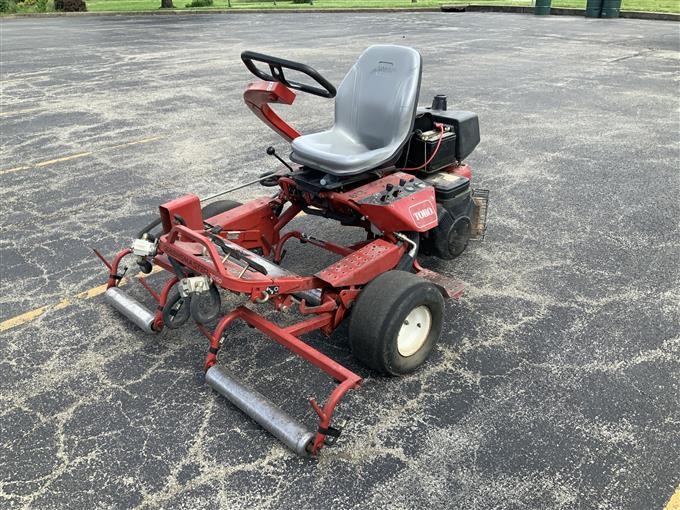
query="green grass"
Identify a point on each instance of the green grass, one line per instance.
(146, 5)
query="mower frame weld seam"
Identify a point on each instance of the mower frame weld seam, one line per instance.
(309, 325)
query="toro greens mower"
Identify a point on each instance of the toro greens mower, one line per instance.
(386, 166)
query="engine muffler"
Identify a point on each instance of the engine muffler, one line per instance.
(285, 428)
(131, 308)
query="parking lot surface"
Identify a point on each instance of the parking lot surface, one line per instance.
(557, 379)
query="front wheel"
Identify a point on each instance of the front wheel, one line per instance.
(176, 310)
(396, 322)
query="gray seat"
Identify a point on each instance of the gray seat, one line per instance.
(374, 113)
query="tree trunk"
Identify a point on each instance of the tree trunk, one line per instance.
(167, 4)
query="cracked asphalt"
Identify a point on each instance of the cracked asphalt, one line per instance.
(557, 379)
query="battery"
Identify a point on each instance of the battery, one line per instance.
(423, 146)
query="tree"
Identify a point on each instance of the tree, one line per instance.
(167, 4)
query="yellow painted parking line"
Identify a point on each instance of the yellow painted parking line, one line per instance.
(23, 318)
(31, 315)
(96, 291)
(674, 502)
(15, 169)
(63, 158)
(136, 142)
(78, 155)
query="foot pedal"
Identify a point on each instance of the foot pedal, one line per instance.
(452, 288)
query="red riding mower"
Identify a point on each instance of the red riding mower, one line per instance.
(387, 167)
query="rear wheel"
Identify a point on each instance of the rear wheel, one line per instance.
(210, 210)
(218, 207)
(396, 322)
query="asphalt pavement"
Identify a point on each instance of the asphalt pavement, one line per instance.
(556, 382)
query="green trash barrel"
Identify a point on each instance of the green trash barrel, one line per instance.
(593, 8)
(610, 8)
(542, 7)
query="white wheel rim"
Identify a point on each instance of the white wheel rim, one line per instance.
(414, 331)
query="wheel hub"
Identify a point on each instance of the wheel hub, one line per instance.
(414, 331)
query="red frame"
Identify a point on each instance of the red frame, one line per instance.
(258, 225)
(260, 94)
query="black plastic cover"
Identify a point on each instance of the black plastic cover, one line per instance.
(447, 185)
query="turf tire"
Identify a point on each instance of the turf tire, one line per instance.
(379, 314)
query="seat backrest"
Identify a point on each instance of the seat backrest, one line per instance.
(377, 100)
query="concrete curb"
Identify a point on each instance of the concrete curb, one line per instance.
(513, 9)
(664, 16)
(516, 9)
(558, 11)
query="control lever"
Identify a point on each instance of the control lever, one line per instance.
(272, 152)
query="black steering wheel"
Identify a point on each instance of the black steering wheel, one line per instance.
(276, 67)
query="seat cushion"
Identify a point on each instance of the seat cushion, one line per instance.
(334, 152)
(374, 113)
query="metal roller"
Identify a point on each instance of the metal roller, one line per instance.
(259, 408)
(131, 308)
